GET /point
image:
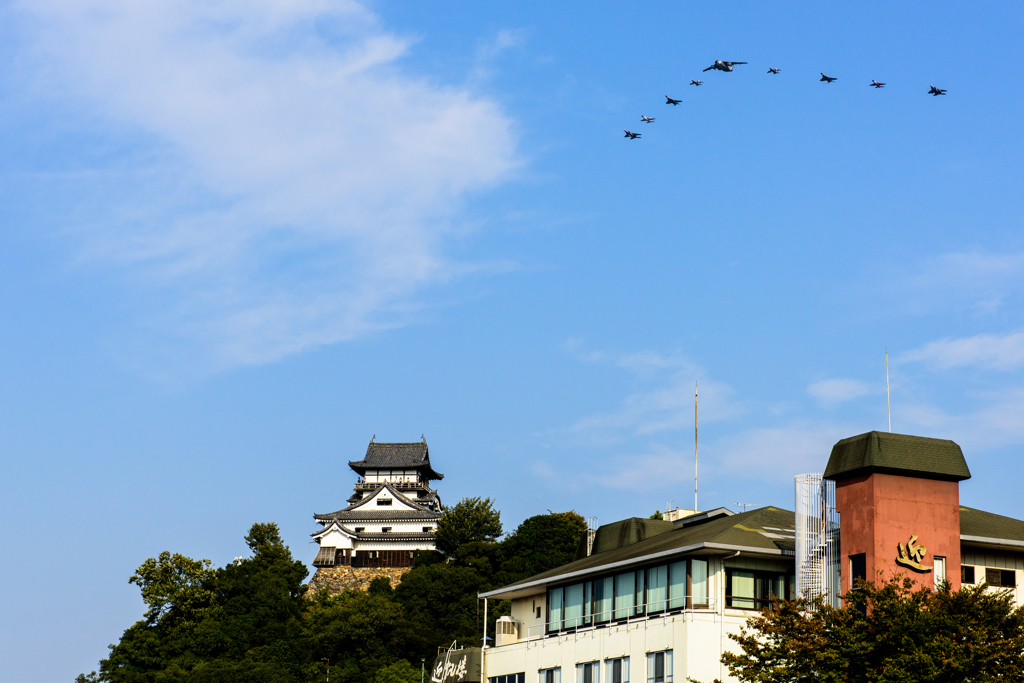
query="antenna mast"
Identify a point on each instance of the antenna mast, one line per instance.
(695, 447)
(888, 404)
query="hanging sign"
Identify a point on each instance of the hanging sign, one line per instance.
(911, 554)
(457, 666)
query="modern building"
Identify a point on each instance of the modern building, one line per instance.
(392, 513)
(655, 601)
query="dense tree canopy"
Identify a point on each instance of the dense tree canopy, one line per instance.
(892, 632)
(253, 621)
(470, 520)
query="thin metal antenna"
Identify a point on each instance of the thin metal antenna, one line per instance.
(695, 447)
(888, 404)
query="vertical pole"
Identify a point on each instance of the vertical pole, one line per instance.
(888, 404)
(695, 447)
(423, 670)
(485, 624)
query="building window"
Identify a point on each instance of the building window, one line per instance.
(966, 574)
(385, 530)
(427, 529)
(755, 590)
(588, 672)
(617, 670)
(383, 501)
(1001, 578)
(508, 678)
(659, 667)
(625, 588)
(554, 610)
(360, 529)
(858, 569)
(939, 571)
(550, 675)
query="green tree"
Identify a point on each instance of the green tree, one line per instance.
(173, 585)
(893, 632)
(540, 543)
(468, 521)
(399, 672)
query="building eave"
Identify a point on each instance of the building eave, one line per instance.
(993, 543)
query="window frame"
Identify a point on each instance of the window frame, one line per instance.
(760, 578)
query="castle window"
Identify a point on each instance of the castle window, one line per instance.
(360, 529)
(385, 530)
(427, 528)
(383, 501)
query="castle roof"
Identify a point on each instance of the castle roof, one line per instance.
(396, 456)
(362, 511)
(886, 453)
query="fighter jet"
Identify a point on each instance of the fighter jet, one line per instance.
(669, 100)
(773, 70)
(827, 79)
(647, 119)
(935, 92)
(876, 84)
(632, 136)
(723, 66)
(694, 81)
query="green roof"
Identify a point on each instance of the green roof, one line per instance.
(911, 456)
(978, 524)
(620, 534)
(767, 531)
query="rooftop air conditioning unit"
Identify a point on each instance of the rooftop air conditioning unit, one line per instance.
(506, 631)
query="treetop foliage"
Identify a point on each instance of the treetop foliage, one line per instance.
(891, 632)
(470, 520)
(252, 621)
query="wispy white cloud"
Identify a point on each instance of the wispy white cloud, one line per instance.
(982, 281)
(837, 390)
(298, 186)
(777, 453)
(990, 351)
(667, 403)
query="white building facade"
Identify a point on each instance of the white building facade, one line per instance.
(392, 513)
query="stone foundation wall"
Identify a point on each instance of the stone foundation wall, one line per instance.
(339, 580)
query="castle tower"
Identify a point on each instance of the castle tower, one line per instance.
(392, 513)
(898, 499)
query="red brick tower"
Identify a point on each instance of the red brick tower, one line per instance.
(898, 498)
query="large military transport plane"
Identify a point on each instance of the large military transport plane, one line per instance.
(723, 66)
(669, 100)
(827, 79)
(932, 90)
(632, 136)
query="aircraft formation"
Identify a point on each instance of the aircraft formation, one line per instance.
(722, 65)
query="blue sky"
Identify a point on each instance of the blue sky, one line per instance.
(239, 239)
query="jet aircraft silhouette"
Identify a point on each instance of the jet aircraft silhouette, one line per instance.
(719, 65)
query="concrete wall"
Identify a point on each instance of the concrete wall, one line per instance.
(996, 559)
(696, 639)
(878, 511)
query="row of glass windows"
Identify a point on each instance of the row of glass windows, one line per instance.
(678, 585)
(659, 670)
(756, 590)
(997, 578)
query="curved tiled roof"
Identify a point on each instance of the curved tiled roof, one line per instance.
(388, 515)
(397, 456)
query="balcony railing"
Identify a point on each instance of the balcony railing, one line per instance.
(625, 615)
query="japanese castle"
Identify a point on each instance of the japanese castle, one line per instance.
(392, 513)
